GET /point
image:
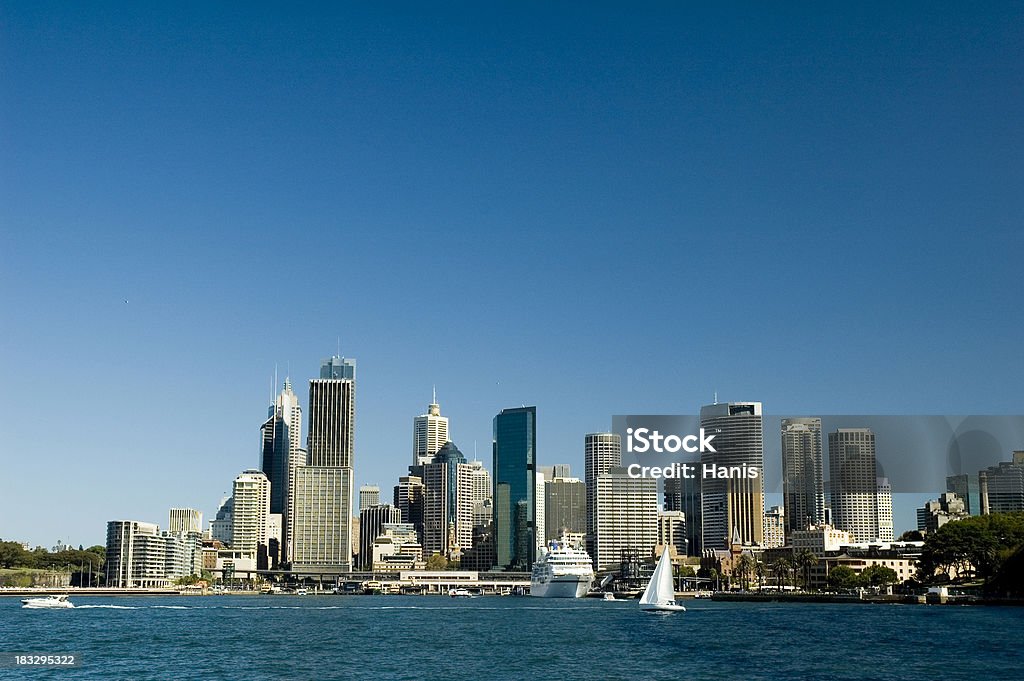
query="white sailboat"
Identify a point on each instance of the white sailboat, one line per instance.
(660, 593)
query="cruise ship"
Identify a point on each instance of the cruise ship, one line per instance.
(561, 572)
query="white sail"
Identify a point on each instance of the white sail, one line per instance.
(660, 593)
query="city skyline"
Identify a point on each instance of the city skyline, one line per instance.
(593, 210)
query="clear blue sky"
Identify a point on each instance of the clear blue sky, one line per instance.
(593, 208)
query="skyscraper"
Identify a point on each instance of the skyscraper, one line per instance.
(323, 489)
(966, 487)
(409, 500)
(515, 484)
(565, 507)
(185, 520)
(372, 520)
(683, 495)
(883, 502)
(282, 452)
(601, 453)
(429, 433)
(853, 482)
(251, 494)
(803, 474)
(672, 530)
(369, 496)
(626, 517)
(733, 505)
(1002, 486)
(447, 502)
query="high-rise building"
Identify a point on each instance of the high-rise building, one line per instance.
(222, 524)
(803, 474)
(626, 517)
(282, 451)
(854, 482)
(323, 489)
(672, 530)
(683, 495)
(515, 486)
(966, 488)
(372, 520)
(429, 433)
(936, 513)
(540, 514)
(185, 520)
(447, 503)
(774, 528)
(733, 505)
(409, 500)
(251, 494)
(139, 555)
(369, 496)
(883, 495)
(1001, 487)
(565, 507)
(601, 453)
(481, 487)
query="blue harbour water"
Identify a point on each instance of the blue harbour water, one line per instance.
(435, 637)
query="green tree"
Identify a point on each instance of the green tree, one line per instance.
(437, 562)
(804, 560)
(878, 575)
(843, 577)
(744, 566)
(12, 554)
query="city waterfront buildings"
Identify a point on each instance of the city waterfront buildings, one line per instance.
(1001, 487)
(369, 495)
(937, 512)
(372, 521)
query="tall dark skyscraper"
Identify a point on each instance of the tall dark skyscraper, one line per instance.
(803, 474)
(515, 487)
(282, 452)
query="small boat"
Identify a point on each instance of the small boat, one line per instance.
(460, 593)
(54, 601)
(608, 596)
(660, 594)
(301, 592)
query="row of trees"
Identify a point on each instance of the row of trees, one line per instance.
(14, 555)
(979, 548)
(780, 572)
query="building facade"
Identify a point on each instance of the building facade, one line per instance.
(601, 453)
(735, 503)
(429, 433)
(514, 450)
(626, 517)
(854, 482)
(565, 507)
(803, 473)
(324, 489)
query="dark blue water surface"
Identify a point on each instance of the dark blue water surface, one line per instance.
(435, 637)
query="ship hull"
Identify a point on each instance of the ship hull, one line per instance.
(561, 587)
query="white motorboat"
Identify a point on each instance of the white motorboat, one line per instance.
(562, 572)
(660, 594)
(461, 593)
(608, 596)
(52, 601)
